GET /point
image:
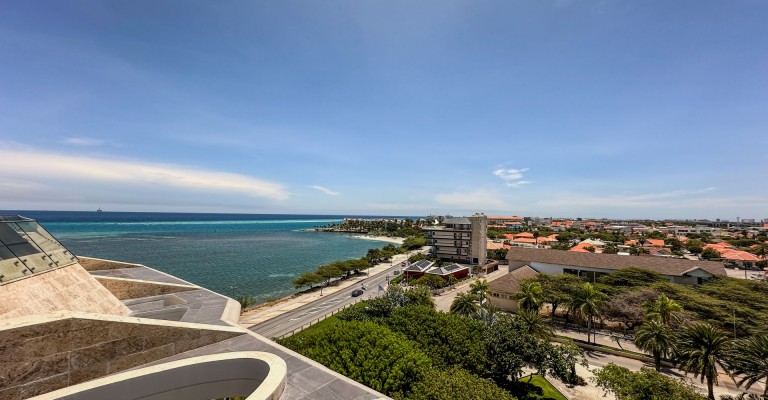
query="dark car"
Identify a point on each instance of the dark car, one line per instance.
(357, 292)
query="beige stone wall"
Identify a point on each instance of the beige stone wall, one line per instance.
(67, 288)
(37, 358)
(504, 301)
(133, 289)
(98, 264)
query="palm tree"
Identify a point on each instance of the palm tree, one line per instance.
(656, 338)
(587, 303)
(749, 359)
(464, 304)
(530, 295)
(534, 323)
(700, 347)
(662, 309)
(487, 315)
(479, 289)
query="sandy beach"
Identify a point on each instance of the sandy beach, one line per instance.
(380, 238)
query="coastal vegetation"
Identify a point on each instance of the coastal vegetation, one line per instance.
(400, 345)
(689, 326)
(399, 227)
(735, 305)
(647, 384)
(328, 273)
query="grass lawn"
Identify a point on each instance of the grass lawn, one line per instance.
(543, 390)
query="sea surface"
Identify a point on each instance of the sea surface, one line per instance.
(256, 255)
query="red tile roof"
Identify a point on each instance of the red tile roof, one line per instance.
(738, 255)
(582, 247)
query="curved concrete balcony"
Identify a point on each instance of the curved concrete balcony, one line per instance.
(257, 375)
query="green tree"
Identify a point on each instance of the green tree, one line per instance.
(419, 296)
(558, 289)
(663, 309)
(447, 339)
(509, 348)
(479, 289)
(414, 243)
(761, 251)
(417, 257)
(631, 277)
(464, 304)
(456, 384)
(747, 360)
(644, 385)
(368, 353)
(700, 348)
(246, 301)
(694, 246)
(530, 295)
(656, 338)
(431, 281)
(627, 307)
(674, 244)
(330, 271)
(307, 279)
(710, 253)
(534, 324)
(563, 359)
(610, 249)
(586, 304)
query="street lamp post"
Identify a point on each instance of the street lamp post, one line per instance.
(233, 287)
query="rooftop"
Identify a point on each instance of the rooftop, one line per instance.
(665, 266)
(510, 283)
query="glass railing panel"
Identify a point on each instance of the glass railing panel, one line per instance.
(11, 269)
(39, 236)
(37, 262)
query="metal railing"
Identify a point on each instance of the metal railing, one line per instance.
(317, 320)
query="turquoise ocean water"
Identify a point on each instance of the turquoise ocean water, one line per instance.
(258, 254)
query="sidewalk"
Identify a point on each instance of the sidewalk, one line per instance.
(266, 312)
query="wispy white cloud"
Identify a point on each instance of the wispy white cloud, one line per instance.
(44, 167)
(325, 190)
(82, 141)
(512, 177)
(517, 184)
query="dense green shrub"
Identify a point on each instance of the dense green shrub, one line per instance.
(446, 339)
(364, 351)
(457, 384)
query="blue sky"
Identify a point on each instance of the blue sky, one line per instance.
(552, 108)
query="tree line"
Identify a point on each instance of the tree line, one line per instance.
(719, 323)
(400, 345)
(327, 273)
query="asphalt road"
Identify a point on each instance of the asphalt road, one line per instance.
(310, 312)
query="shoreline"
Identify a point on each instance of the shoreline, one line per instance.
(387, 239)
(268, 310)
